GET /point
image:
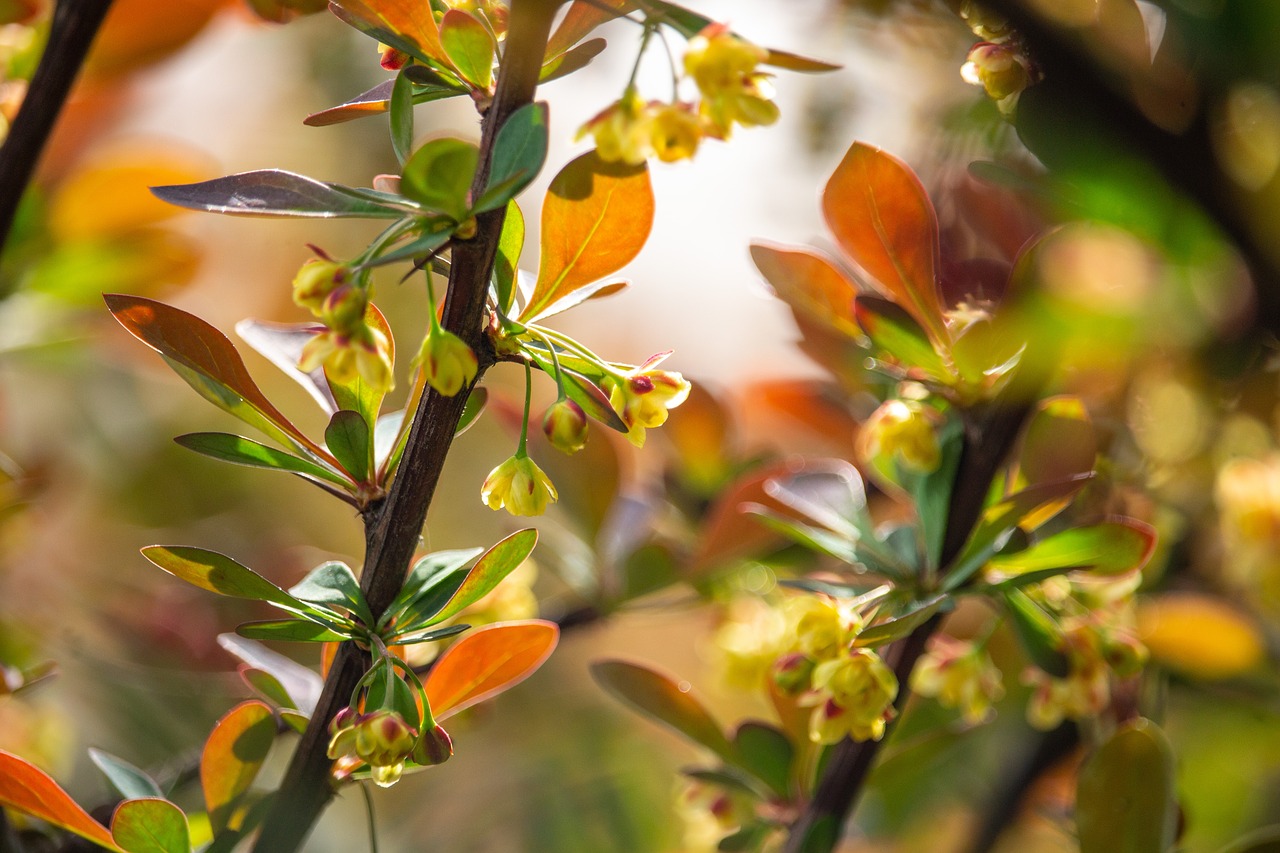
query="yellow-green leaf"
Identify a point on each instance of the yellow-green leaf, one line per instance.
(1125, 798)
(664, 699)
(151, 826)
(232, 757)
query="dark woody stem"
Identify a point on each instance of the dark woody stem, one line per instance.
(71, 32)
(394, 525)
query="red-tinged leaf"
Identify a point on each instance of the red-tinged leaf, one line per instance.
(485, 663)
(1125, 797)
(406, 25)
(151, 826)
(581, 18)
(813, 406)
(595, 219)
(498, 562)
(1110, 548)
(809, 283)
(232, 757)
(1059, 443)
(727, 532)
(469, 46)
(378, 100)
(28, 789)
(796, 62)
(189, 342)
(882, 217)
(664, 699)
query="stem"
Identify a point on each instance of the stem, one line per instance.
(74, 24)
(989, 434)
(373, 823)
(522, 452)
(393, 526)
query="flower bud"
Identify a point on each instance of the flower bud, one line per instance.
(316, 279)
(447, 363)
(792, 673)
(998, 68)
(565, 425)
(903, 429)
(435, 747)
(392, 59)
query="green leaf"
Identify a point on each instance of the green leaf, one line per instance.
(219, 573)
(243, 451)
(427, 577)
(665, 700)
(401, 106)
(821, 837)
(746, 839)
(348, 439)
(1038, 633)
(435, 234)
(574, 59)
(232, 757)
(1110, 548)
(595, 219)
(594, 402)
(429, 636)
(294, 630)
(334, 584)
(151, 826)
(469, 46)
(505, 267)
(931, 491)
(1125, 799)
(439, 175)
(477, 400)
(518, 155)
(267, 686)
(131, 782)
(765, 752)
(900, 626)
(498, 562)
(272, 192)
(893, 332)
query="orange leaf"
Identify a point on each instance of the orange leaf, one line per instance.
(488, 661)
(595, 219)
(28, 789)
(139, 32)
(809, 283)
(1199, 636)
(882, 217)
(232, 756)
(410, 19)
(582, 17)
(191, 343)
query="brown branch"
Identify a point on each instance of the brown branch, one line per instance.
(71, 32)
(392, 529)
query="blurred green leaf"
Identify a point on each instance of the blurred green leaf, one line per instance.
(574, 59)
(267, 686)
(439, 175)
(469, 46)
(900, 626)
(130, 782)
(1110, 548)
(765, 752)
(1125, 800)
(1039, 635)
(892, 331)
(665, 700)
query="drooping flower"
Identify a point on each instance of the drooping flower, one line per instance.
(519, 486)
(675, 130)
(622, 130)
(382, 739)
(447, 363)
(316, 279)
(853, 694)
(565, 425)
(733, 91)
(362, 352)
(643, 397)
(959, 675)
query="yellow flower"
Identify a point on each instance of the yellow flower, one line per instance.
(854, 696)
(675, 131)
(643, 397)
(724, 68)
(821, 628)
(749, 641)
(959, 675)
(316, 279)
(622, 131)
(447, 363)
(903, 429)
(382, 739)
(519, 486)
(365, 353)
(1000, 69)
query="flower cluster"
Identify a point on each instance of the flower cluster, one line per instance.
(1099, 642)
(733, 91)
(810, 644)
(1000, 63)
(961, 675)
(349, 347)
(385, 741)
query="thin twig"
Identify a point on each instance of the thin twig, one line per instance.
(393, 527)
(74, 24)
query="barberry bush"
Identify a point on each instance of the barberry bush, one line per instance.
(983, 559)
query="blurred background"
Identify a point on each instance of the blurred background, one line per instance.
(1165, 269)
